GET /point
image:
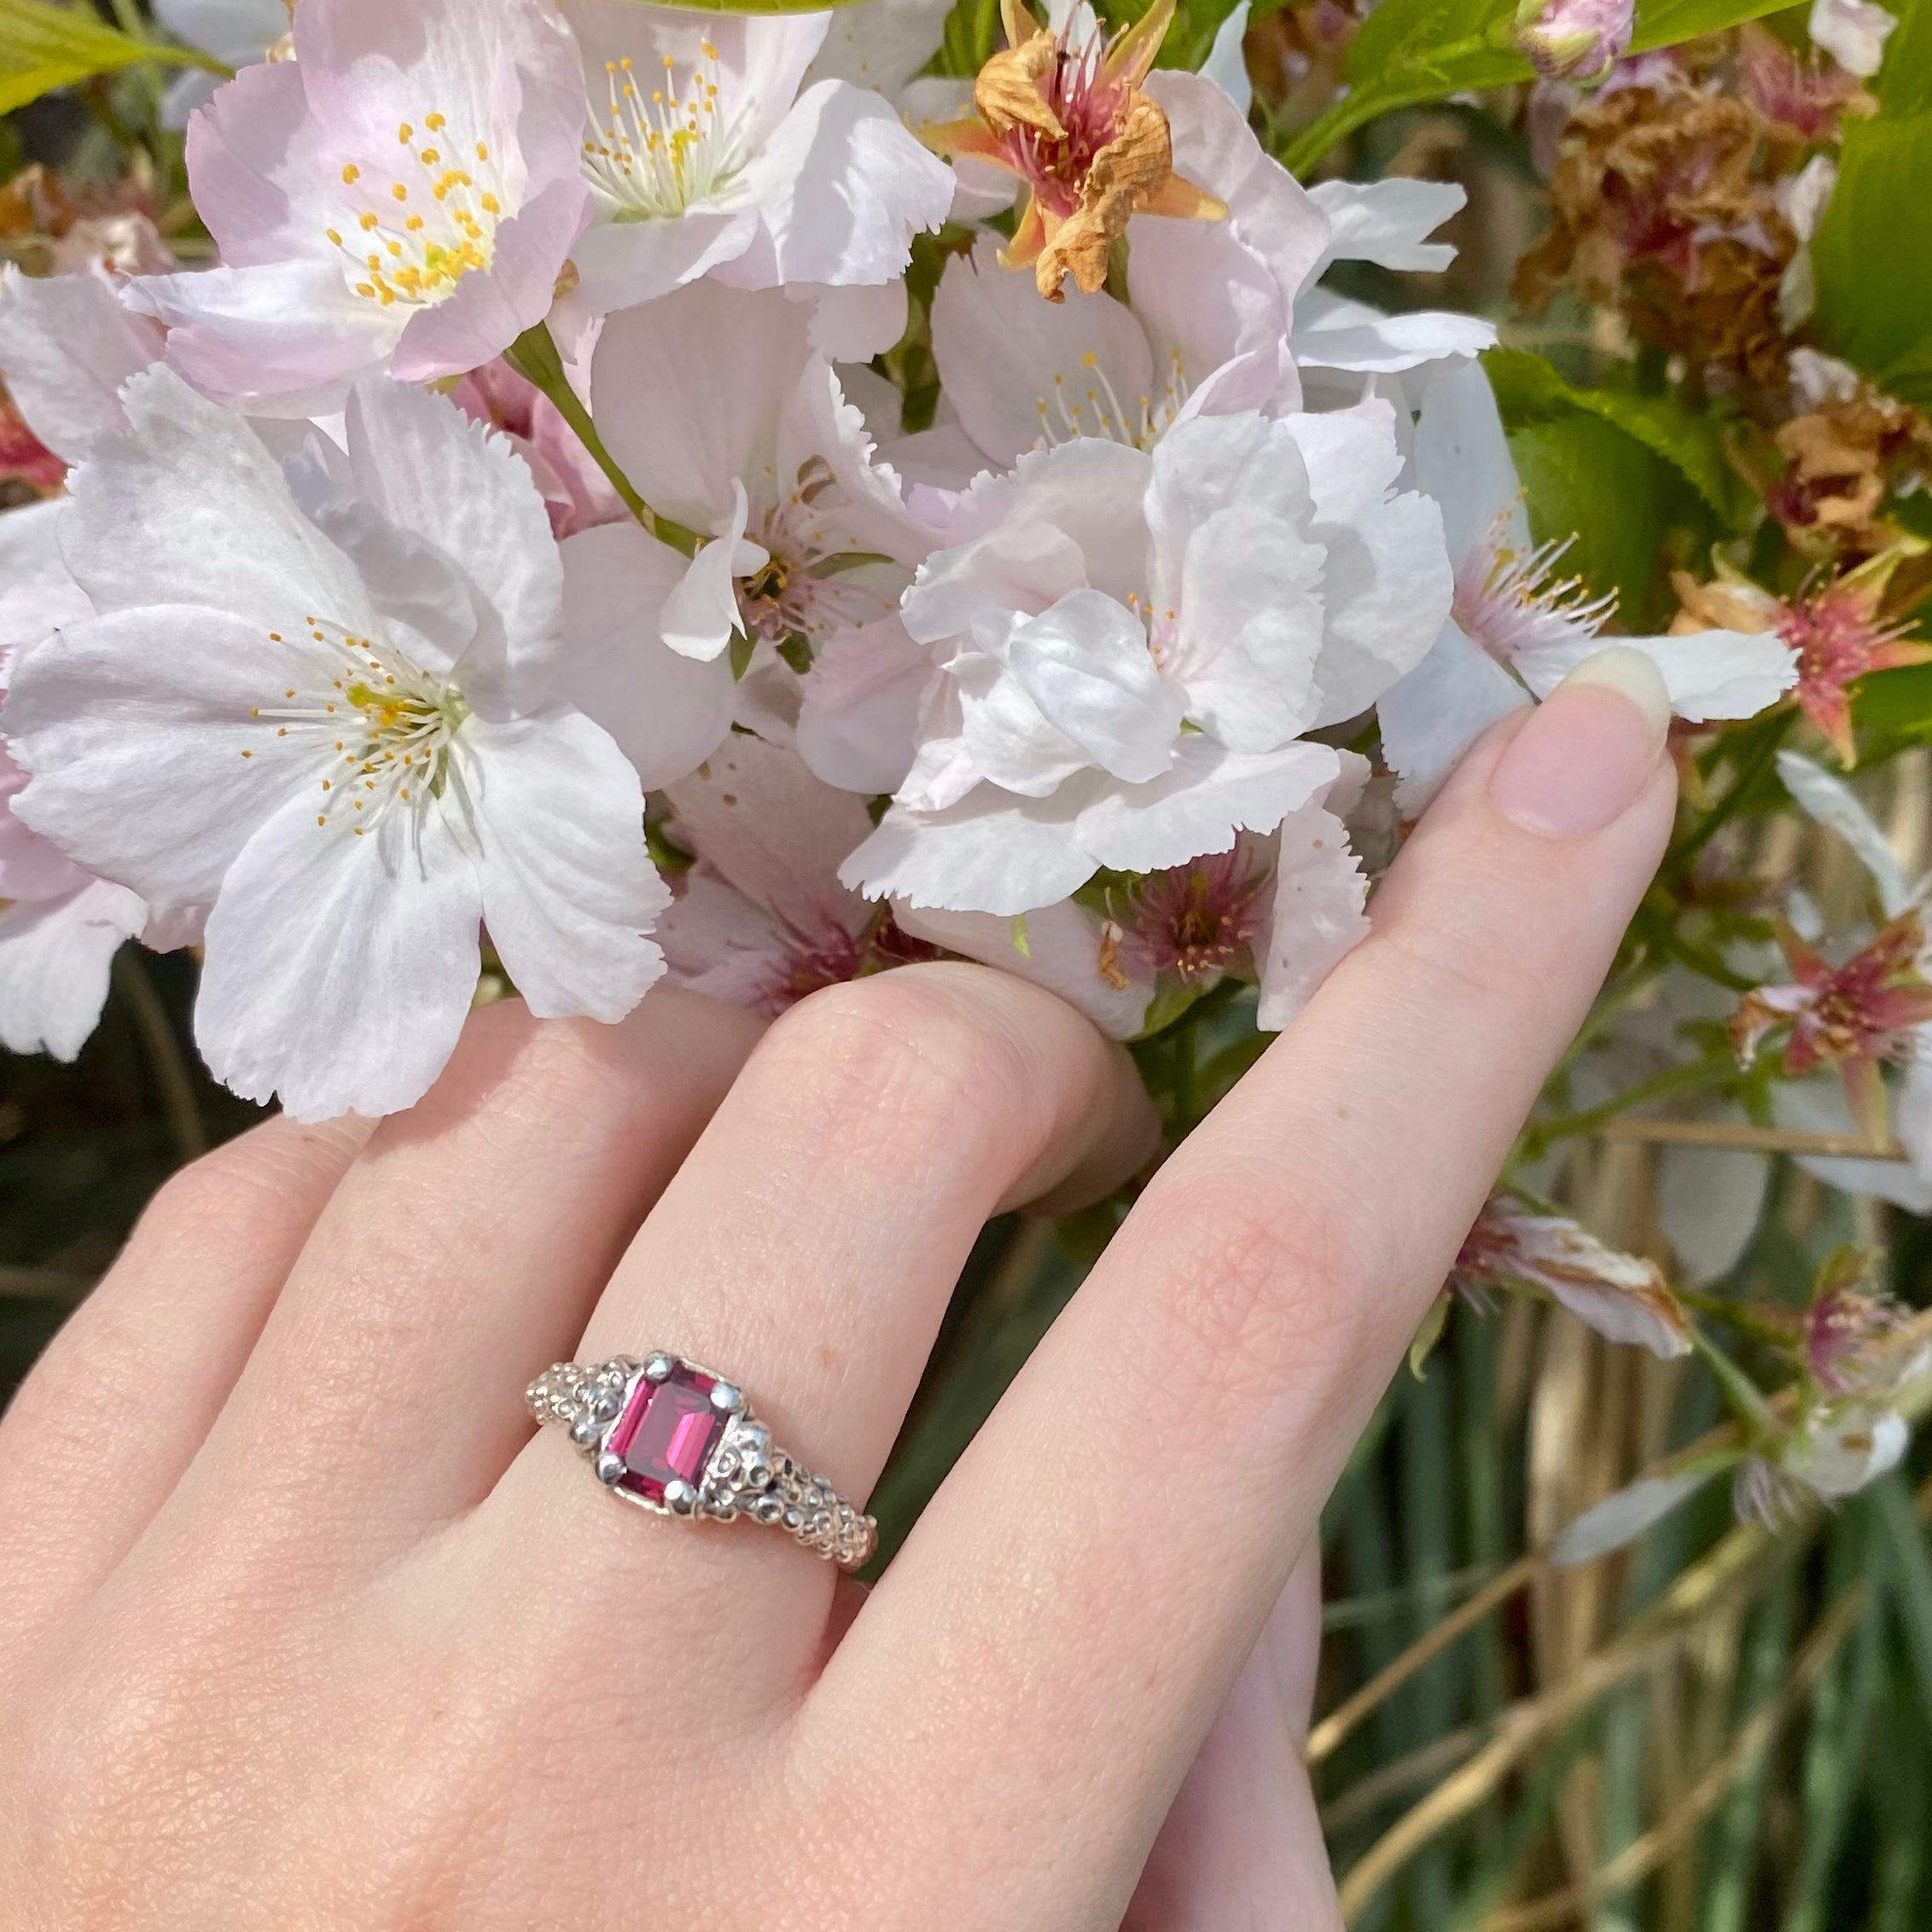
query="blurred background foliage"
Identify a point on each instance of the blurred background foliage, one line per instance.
(1723, 1728)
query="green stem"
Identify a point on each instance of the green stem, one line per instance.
(1706, 1071)
(1755, 762)
(1742, 1396)
(534, 356)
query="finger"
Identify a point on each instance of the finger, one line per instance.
(460, 1253)
(1242, 1845)
(1230, 1346)
(99, 1433)
(806, 1251)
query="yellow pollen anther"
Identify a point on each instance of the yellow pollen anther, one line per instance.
(430, 157)
(352, 173)
(435, 124)
(248, 754)
(335, 237)
(369, 222)
(401, 193)
(406, 134)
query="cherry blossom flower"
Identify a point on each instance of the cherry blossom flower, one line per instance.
(725, 417)
(1624, 1297)
(401, 195)
(1518, 626)
(1861, 1018)
(761, 920)
(1201, 330)
(704, 157)
(1126, 648)
(1836, 628)
(1065, 113)
(328, 721)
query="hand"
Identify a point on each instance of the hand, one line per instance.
(301, 1626)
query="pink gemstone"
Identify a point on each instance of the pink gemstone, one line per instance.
(667, 1433)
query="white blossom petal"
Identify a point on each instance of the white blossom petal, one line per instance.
(287, 1008)
(66, 346)
(569, 890)
(54, 957)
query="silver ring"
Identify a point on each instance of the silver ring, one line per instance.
(678, 1440)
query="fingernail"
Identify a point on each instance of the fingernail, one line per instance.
(1588, 749)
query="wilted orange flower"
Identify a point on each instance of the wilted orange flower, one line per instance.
(1068, 117)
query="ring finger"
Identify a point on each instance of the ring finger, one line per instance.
(806, 1250)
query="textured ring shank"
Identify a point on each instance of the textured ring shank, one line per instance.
(745, 1472)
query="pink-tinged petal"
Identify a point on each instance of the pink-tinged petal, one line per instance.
(625, 264)
(1210, 796)
(569, 892)
(286, 340)
(666, 713)
(1314, 911)
(1371, 345)
(1250, 629)
(190, 507)
(841, 189)
(1215, 149)
(860, 708)
(700, 614)
(990, 852)
(54, 957)
(66, 346)
(756, 816)
(688, 393)
(487, 312)
(260, 170)
(31, 867)
(139, 770)
(287, 1010)
(1207, 302)
(1462, 461)
(854, 323)
(1389, 223)
(1020, 371)
(425, 468)
(718, 943)
(1061, 947)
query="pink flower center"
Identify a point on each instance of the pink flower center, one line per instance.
(1196, 920)
(1089, 107)
(1510, 601)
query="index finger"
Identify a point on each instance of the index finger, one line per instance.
(1138, 1500)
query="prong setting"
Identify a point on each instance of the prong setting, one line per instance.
(726, 1399)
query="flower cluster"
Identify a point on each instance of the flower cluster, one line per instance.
(509, 539)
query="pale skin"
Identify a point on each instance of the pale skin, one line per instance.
(302, 1623)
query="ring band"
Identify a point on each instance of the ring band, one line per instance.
(678, 1440)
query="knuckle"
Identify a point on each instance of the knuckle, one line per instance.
(904, 1048)
(1258, 1286)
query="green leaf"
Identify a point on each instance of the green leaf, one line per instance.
(1586, 478)
(973, 34)
(1905, 82)
(1902, 1544)
(1529, 390)
(1871, 255)
(43, 46)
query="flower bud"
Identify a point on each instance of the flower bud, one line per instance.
(1574, 39)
